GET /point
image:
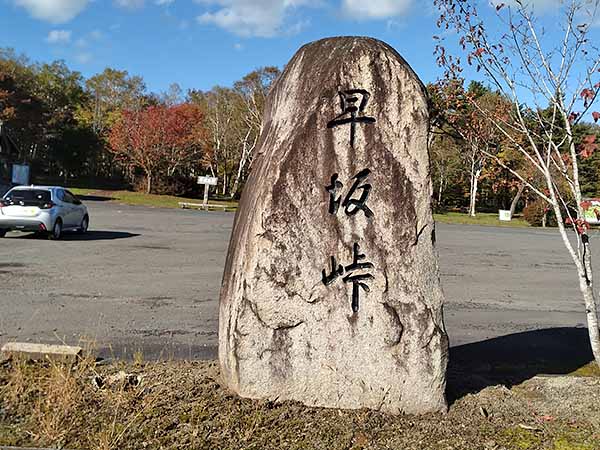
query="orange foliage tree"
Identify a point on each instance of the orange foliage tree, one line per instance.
(161, 141)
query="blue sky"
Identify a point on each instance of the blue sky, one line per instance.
(202, 43)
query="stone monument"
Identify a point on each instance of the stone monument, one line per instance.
(331, 293)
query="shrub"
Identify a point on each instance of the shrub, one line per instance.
(535, 211)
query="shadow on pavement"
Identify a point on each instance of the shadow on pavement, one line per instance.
(92, 235)
(514, 358)
(97, 236)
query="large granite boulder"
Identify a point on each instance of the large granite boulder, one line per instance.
(331, 292)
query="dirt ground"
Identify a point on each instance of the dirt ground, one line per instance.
(182, 405)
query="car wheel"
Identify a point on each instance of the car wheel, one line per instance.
(56, 232)
(85, 223)
(2, 233)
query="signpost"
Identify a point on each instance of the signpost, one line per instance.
(207, 181)
(504, 215)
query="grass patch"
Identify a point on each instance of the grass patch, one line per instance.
(522, 439)
(564, 443)
(573, 439)
(589, 370)
(489, 219)
(142, 199)
(171, 201)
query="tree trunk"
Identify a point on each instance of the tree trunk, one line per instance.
(236, 183)
(592, 320)
(440, 190)
(475, 174)
(515, 201)
(148, 183)
(238, 177)
(583, 263)
(586, 287)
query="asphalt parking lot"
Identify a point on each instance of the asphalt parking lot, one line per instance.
(148, 279)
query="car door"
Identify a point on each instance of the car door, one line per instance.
(66, 208)
(78, 211)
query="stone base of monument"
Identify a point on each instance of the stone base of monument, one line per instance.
(331, 292)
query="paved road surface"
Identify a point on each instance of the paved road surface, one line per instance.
(148, 279)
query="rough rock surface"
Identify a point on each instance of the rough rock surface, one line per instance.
(287, 330)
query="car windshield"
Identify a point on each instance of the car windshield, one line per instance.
(27, 197)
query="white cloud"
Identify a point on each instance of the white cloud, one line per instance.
(83, 57)
(375, 9)
(129, 4)
(264, 18)
(54, 11)
(95, 35)
(59, 37)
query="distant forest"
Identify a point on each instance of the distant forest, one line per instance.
(109, 131)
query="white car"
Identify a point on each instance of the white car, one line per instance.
(43, 209)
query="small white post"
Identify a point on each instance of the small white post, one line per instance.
(205, 203)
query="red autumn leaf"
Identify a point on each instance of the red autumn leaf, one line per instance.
(480, 51)
(588, 146)
(596, 116)
(573, 116)
(586, 204)
(582, 226)
(587, 94)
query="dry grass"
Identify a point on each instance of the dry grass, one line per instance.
(59, 387)
(182, 405)
(54, 402)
